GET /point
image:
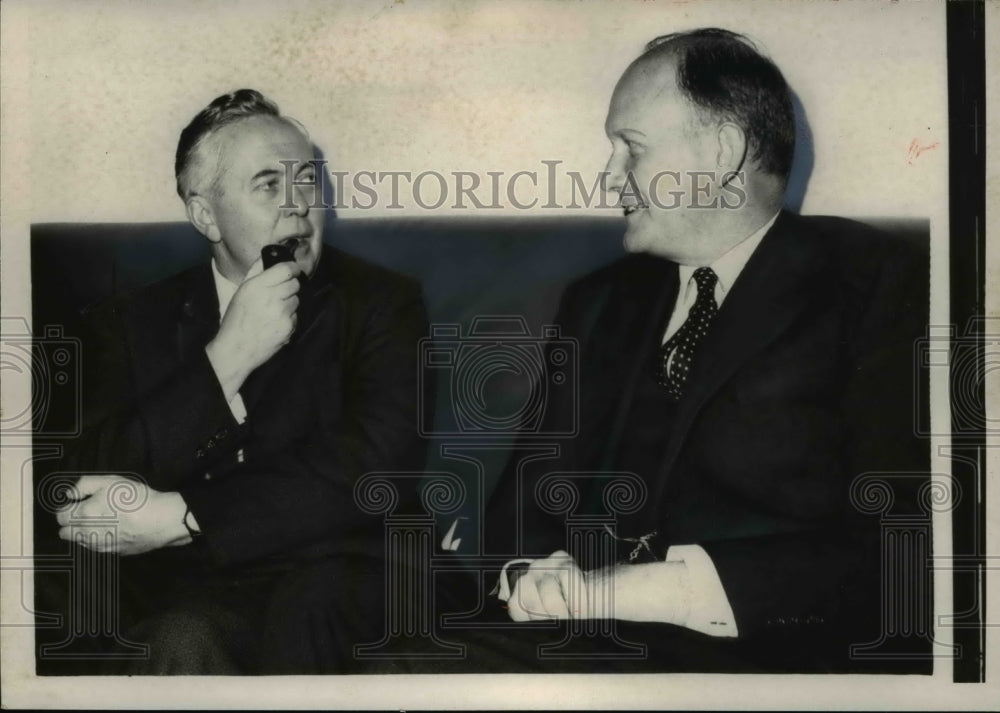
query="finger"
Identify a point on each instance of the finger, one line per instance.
(525, 603)
(573, 584)
(87, 485)
(279, 273)
(283, 290)
(550, 600)
(63, 516)
(95, 539)
(552, 596)
(570, 579)
(90, 507)
(78, 511)
(72, 494)
(514, 608)
(273, 275)
(288, 288)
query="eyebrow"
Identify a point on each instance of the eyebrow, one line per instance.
(271, 172)
(626, 133)
(266, 172)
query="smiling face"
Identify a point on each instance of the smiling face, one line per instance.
(657, 141)
(248, 204)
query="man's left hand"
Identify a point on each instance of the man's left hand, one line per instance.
(556, 588)
(552, 588)
(111, 513)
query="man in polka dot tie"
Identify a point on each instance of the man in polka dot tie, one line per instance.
(749, 365)
(674, 358)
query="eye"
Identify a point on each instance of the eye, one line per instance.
(269, 186)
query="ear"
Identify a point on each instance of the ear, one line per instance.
(199, 212)
(732, 149)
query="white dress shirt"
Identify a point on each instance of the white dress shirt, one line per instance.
(225, 290)
(709, 610)
(727, 268)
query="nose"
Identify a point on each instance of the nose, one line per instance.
(614, 172)
(297, 201)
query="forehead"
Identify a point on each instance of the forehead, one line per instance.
(261, 142)
(647, 97)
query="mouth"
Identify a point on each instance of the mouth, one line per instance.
(294, 241)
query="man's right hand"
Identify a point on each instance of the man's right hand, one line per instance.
(260, 320)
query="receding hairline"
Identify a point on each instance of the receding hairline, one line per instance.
(207, 154)
(657, 75)
(660, 69)
(726, 76)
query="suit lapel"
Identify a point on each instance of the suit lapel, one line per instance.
(631, 327)
(771, 292)
(199, 313)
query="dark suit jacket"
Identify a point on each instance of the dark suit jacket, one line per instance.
(804, 382)
(337, 402)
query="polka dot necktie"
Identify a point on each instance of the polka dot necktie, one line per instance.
(673, 373)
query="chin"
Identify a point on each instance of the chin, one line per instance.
(635, 242)
(655, 245)
(308, 266)
(307, 257)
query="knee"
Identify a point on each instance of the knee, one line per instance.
(183, 642)
(317, 616)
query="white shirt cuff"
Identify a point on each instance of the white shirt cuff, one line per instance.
(710, 612)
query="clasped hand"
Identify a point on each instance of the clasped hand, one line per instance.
(112, 513)
(556, 588)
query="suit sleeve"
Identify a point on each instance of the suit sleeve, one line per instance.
(834, 573)
(155, 435)
(305, 494)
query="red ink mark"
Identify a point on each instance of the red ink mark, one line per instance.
(915, 149)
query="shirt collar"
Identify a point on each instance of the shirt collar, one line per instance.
(728, 267)
(224, 288)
